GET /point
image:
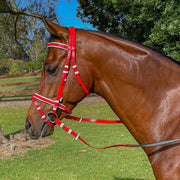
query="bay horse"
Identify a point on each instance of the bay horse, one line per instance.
(141, 86)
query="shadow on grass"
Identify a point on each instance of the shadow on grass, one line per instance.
(23, 131)
(15, 97)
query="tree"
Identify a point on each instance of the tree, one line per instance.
(20, 21)
(7, 37)
(36, 53)
(16, 67)
(166, 33)
(4, 66)
(33, 8)
(139, 20)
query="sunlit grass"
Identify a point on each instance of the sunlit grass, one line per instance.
(68, 159)
(19, 79)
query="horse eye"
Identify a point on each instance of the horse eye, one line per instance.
(51, 70)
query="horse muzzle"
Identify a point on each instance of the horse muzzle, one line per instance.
(43, 130)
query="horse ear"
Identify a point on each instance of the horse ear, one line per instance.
(55, 29)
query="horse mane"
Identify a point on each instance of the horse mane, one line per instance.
(52, 37)
(120, 39)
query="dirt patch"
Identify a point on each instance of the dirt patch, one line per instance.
(20, 143)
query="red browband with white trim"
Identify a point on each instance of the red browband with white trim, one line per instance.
(58, 45)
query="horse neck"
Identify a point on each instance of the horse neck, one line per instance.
(133, 80)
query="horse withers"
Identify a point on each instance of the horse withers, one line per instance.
(141, 86)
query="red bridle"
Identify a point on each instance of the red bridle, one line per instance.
(57, 103)
(71, 57)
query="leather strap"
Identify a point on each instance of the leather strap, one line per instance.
(92, 120)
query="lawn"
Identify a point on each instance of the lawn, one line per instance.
(19, 79)
(68, 159)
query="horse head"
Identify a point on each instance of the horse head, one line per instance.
(51, 77)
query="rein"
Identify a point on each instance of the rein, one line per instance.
(57, 103)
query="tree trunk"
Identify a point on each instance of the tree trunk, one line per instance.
(3, 139)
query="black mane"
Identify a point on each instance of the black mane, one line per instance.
(52, 37)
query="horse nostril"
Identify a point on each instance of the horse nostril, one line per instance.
(29, 129)
(28, 125)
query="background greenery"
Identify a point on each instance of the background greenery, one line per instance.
(70, 159)
(155, 23)
(29, 32)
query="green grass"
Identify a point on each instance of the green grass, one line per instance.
(19, 79)
(68, 159)
(18, 88)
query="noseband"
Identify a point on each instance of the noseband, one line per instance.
(57, 103)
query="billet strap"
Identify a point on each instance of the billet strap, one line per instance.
(92, 120)
(73, 39)
(78, 78)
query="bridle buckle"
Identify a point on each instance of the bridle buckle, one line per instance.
(51, 117)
